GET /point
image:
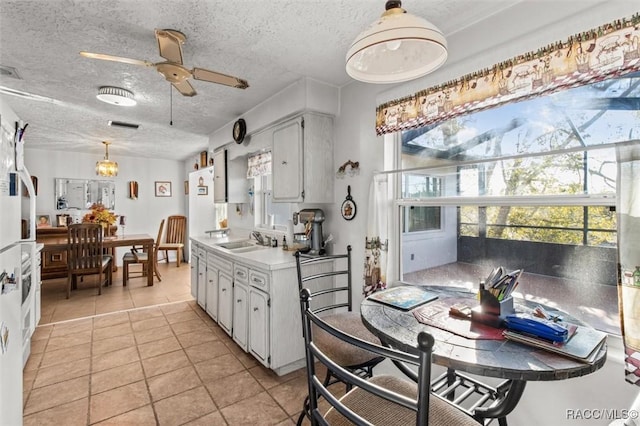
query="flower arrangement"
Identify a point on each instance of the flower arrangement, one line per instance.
(99, 214)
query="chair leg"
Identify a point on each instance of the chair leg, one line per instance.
(100, 282)
(166, 256)
(69, 279)
(155, 270)
(125, 273)
(178, 256)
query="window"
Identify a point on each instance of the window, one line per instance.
(421, 218)
(529, 185)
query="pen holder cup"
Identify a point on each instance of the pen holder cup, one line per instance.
(492, 311)
(489, 304)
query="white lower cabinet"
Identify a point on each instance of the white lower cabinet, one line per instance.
(240, 310)
(212, 291)
(194, 270)
(202, 282)
(259, 325)
(225, 302)
(259, 308)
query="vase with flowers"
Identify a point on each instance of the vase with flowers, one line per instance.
(100, 214)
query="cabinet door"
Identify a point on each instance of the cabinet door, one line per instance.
(212, 292)
(287, 156)
(220, 187)
(202, 283)
(194, 274)
(240, 311)
(225, 302)
(259, 325)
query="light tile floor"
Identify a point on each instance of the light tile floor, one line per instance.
(167, 364)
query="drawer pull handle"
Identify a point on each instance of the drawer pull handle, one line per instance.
(284, 163)
(224, 289)
(255, 309)
(239, 300)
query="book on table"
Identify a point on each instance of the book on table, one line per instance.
(404, 297)
(583, 345)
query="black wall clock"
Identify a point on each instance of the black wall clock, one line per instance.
(239, 130)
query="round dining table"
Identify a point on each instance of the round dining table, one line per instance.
(514, 362)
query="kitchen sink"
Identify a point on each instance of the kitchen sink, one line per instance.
(237, 244)
(247, 249)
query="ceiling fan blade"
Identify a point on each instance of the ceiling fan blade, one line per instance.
(170, 45)
(216, 77)
(116, 59)
(185, 88)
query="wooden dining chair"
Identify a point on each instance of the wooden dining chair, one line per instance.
(85, 255)
(380, 400)
(329, 280)
(137, 256)
(174, 240)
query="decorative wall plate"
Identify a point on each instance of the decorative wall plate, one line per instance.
(348, 208)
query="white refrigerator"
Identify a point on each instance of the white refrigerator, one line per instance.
(17, 295)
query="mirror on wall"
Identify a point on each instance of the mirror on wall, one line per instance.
(82, 193)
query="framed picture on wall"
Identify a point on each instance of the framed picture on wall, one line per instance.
(203, 190)
(163, 189)
(43, 220)
(203, 159)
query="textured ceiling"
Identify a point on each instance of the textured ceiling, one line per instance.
(269, 43)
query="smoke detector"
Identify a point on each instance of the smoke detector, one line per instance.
(116, 96)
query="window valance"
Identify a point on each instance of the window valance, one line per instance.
(607, 51)
(259, 164)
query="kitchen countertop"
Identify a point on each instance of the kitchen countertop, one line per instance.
(270, 258)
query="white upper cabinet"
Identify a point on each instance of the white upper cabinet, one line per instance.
(302, 156)
(220, 185)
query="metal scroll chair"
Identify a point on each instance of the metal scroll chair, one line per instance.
(85, 255)
(380, 400)
(136, 256)
(176, 229)
(330, 287)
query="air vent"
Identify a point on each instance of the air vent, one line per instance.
(123, 124)
(6, 71)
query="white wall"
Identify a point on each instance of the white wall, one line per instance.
(143, 215)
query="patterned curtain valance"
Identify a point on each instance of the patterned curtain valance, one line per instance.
(259, 164)
(608, 51)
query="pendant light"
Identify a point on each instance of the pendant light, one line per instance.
(397, 47)
(106, 167)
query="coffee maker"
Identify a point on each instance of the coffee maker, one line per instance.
(312, 220)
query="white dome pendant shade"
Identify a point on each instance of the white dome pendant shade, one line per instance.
(397, 47)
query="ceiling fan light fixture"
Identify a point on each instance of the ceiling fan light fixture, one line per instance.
(116, 96)
(106, 167)
(397, 47)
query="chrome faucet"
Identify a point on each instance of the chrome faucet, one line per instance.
(258, 236)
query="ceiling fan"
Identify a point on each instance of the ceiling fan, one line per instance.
(170, 46)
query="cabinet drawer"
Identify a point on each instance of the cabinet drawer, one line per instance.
(259, 280)
(240, 274)
(219, 263)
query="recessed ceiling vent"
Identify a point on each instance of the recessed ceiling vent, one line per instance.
(123, 124)
(6, 71)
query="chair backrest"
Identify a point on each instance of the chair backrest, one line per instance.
(158, 240)
(408, 406)
(84, 251)
(328, 278)
(176, 229)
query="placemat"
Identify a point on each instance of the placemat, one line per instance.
(436, 314)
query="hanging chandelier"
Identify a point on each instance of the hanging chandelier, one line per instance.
(397, 47)
(106, 167)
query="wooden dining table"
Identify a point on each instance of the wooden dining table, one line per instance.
(58, 245)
